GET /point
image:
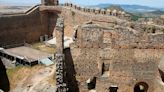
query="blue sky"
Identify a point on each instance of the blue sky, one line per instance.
(19, 2)
(153, 3)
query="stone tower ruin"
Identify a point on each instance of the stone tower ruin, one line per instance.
(50, 2)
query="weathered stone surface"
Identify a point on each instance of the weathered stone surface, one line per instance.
(59, 32)
(60, 84)
(127, 56)
(50, 2)
(127, 52)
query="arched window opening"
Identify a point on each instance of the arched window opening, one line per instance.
(141, 87)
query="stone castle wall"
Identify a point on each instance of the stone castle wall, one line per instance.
(73, 17)
(128, 57)
(98, 11)
(29, 26)
(20, 28)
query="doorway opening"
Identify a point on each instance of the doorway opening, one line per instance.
(113, 88)
(91, 83)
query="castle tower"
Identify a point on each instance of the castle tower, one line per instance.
(50, 2)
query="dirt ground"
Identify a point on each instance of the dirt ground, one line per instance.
(32, 79)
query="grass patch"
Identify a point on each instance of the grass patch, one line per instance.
(20, 73)
(37, 45)
(44, 48)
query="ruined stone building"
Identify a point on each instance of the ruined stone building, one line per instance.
(110, 53)
(119, 59)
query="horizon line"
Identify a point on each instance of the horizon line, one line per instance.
(16, 4)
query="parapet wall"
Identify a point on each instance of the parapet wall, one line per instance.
(73, 17)
(20, 28)
(119, 14)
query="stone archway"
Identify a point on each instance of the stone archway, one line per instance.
(141, 87)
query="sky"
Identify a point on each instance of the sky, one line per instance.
(152, 3)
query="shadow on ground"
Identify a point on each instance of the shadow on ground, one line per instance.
(70, 72)
(4, 81)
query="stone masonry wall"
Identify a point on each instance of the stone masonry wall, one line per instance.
(73, 17)
(20, 28)
(131, 57)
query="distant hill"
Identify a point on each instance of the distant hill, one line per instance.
(130, 8)
(13, 9)
(101, 5)
(159, 12)
(138, 8)
(155, 13)
(136, 11)
(151, 14)
(115, 7)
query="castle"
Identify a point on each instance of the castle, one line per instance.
(110, 53)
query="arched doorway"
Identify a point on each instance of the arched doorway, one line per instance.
(141, 87)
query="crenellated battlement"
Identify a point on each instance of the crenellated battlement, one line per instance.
(98, 11)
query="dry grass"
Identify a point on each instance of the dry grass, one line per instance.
(20, 73)
(52, 80)
(44, 48)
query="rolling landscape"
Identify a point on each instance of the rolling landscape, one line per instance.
(4, 9)
(135, 10)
